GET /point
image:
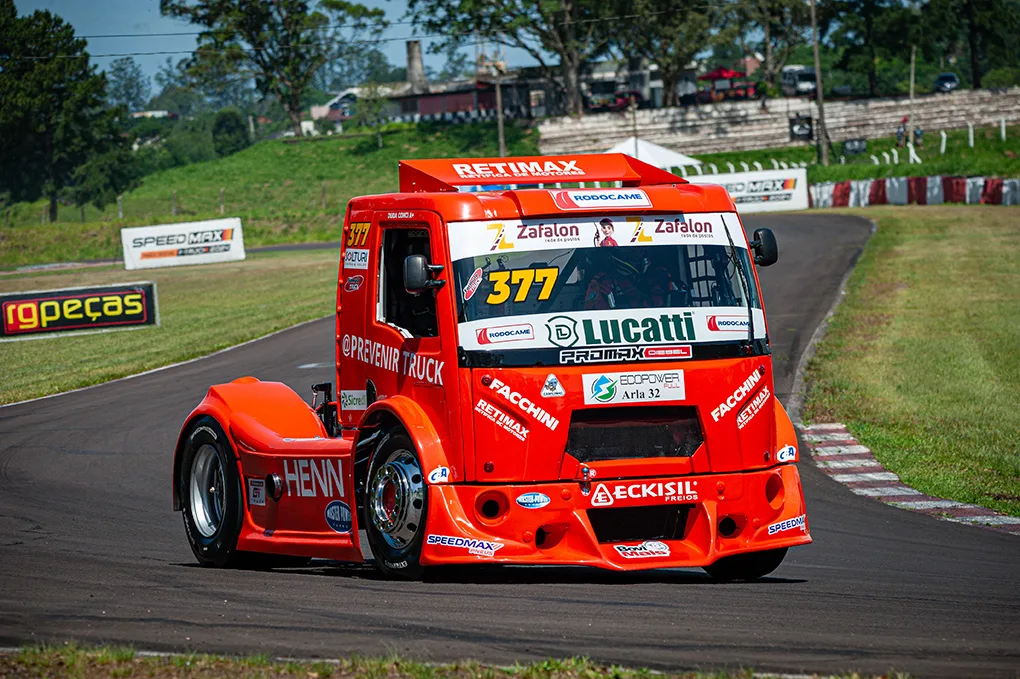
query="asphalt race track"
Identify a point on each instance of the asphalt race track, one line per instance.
(89, 548)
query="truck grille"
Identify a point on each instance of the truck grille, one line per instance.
(660, 522)
(633, 432)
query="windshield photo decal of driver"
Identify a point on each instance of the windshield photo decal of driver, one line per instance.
(607, 230)
(643, 288)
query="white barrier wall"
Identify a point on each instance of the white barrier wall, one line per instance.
(215, 240)
(765, 191)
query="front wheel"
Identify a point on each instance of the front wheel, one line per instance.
(747, 566)
(396, 507)
(212, 496)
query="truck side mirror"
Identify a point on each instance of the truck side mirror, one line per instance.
(420, 275)
(766, 251)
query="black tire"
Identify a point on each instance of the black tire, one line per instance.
(212, 530)
(397, 550)
(749, 566)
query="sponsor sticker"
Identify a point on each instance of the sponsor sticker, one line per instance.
(552, 387)
(718, 323)
(353, 283)
(533, 500)
(665, 492)
(356, 258)
(439, 475)
(477, 547)
(77, 309)
(789, 524)
(472, 285)
(394, 360)
(633, 329)
(738, 395)
(515, 398)
(313, 478)
(665, 229)
(573, 199)
(514, 170)
(506, 333)
(257, 492)
(645, 550)
(624, 354)
(634, 387)
(501, 419)
(338, 516)
(787, 454)
(353, 399)
(754, 407)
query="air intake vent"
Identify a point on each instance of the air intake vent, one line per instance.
(659, 522)
(633, 432)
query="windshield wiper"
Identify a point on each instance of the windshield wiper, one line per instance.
(743, 281)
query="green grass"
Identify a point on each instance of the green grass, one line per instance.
(989, 157)
(274, 187)
(80, 663)
(920, 360)
(202, 309)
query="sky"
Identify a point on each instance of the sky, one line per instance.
(140, 19)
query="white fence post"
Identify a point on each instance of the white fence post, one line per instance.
(895, 157)
(784, 165)
(1002, 129)
(885, 157)
(970, 134)
(942, 146)
(757, 165)
(745, 166)
(715, 170)
(875, 159)
(732, 169)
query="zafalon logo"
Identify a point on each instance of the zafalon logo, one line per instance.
(604, 389)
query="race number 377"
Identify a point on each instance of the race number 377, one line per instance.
(357, 234)
(523, 280)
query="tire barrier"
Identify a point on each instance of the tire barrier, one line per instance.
(934, 190)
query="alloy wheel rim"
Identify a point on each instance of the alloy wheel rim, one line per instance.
(207, 491)
(397, 499)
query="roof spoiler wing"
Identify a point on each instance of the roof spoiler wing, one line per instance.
(420, 176)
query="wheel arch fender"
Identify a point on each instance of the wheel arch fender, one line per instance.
(786, 434)
(405, 413)
(273, 405)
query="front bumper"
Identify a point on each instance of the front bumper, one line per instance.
(727, 514)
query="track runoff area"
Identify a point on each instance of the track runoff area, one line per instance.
(917, 595)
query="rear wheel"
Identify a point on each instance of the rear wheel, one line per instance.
(396, 506)
(747, 566)
(211, 492)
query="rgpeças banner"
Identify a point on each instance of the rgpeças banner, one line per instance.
(29, 314)
(215, 240)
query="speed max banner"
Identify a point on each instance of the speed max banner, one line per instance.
(27, 314)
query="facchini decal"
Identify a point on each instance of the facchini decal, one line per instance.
(480, 238)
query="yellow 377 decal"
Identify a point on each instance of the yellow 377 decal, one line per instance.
(523, 279)
(357, 234)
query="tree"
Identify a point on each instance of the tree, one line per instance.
(279, 44)
(865, 29)
(53, 115)
(987, 28)
(128, 85)
(229, 132)
(372, 110)
(667, 32)
(774, 28)
(576, 31)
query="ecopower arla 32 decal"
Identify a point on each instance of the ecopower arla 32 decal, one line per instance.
(473, 239)
(612, 328)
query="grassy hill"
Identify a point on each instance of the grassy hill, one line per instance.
(275, 187)
(296, 191)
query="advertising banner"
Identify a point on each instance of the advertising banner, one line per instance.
(215, 240)
(765, 191)
(29, 314)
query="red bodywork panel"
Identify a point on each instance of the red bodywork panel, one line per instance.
(492, 433)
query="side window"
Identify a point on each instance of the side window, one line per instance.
(413, 313)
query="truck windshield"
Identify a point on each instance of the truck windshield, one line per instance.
(599, 278)
(664, 281)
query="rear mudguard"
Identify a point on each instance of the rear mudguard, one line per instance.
(271, 430)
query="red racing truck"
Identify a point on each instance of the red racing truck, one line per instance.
(525, 374)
